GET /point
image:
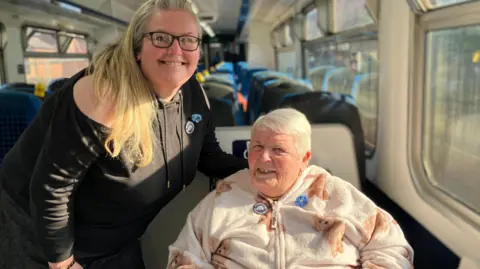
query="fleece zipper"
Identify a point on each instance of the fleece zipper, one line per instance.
(279, 240)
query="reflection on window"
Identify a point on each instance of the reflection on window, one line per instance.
(41, 40)
(77, 46)
(46, 69)
(287, 36)
(350, 14)
(287, 63)
(312, 31)
(349, 68)
(451, 148)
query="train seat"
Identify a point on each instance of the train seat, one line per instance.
(330, 108)
(17, 110)
(273, 93)
(222, 112)
(226, 68)
(247, 79)
(256, 89)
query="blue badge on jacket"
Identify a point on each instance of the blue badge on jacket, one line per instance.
(301, 200)
(196, 118)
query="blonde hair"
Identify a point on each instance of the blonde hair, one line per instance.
(117, 77)
(290, 122)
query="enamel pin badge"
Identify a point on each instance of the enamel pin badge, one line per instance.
(301, 201)
(260, 208)
(196, 118)
(189, 127)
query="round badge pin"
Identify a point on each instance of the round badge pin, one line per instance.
(196, 118)
(301, 201)
(260, 208)
(189, 127)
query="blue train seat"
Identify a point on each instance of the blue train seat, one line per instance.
(17, 110)
(222, 112)
(247, 79)
(225, 67)
(326, 107)
(274, 92)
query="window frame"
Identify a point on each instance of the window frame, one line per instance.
(420, 8)
(59, 53)
(349, 36)
(456, 16)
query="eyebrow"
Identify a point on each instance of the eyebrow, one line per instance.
(163, 31)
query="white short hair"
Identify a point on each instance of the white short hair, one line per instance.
(290, 122)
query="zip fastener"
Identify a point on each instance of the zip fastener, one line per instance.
(273, 224)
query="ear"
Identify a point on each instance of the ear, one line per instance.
(306, 158)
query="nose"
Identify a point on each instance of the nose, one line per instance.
(175, 48)
(265, 155)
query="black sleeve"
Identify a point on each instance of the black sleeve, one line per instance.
(214, 162)
(72, 143)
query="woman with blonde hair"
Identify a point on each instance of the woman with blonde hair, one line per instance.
(112, 147)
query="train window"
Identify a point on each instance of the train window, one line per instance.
(72, 43)
(287, 63)
(450, 147)
(350, 68)
(78, 45)
(52, 54)
(43, 70)
(312, 30)
(41, 40)
(349, 14)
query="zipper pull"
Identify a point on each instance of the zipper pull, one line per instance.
(183, 186)
(273, 224)
(168, 184)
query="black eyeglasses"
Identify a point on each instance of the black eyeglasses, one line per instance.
(165, 40)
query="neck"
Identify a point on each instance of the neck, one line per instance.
(274, 198)
(165, 95)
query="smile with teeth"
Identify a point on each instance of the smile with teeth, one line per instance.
(172, 63)
(265, 171)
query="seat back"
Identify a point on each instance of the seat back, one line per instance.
(273, 93)
(218, 90)
(247, 79)
(222, 112)
(226, 68)
(56, 84)
(225, 79)
(256, 91)
(325, 107)
(23, 87)
(317, 74)
(17, 110)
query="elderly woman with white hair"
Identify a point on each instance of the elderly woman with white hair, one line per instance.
(284, 213)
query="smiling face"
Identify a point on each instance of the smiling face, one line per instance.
(274, 162)
(169, 68)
